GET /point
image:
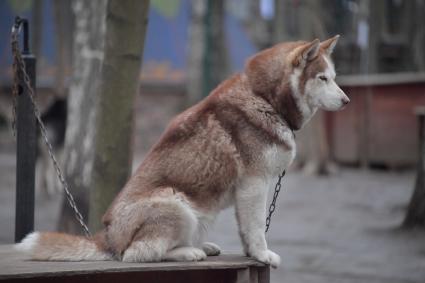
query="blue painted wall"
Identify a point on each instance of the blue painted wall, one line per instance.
(166, 44)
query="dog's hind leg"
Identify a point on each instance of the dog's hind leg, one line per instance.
(146, 251)
(166, 233)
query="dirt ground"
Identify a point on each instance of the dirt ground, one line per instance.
(343, 228)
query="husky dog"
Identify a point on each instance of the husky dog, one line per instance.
(226, 150)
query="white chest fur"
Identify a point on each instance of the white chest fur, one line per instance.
(277, 158)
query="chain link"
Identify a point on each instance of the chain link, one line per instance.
(19, 66)
(273, 203)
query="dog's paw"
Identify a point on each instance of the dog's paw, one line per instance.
(193, 254)
(185, 254)
(211, 249)
(267, 257)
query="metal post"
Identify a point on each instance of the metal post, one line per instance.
(26, 146)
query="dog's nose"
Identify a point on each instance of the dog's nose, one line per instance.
(345, 100)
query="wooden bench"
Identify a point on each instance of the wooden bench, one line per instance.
(14, 267)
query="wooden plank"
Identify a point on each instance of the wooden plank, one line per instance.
(14, 265)
(253, 275)
(181, 276)
(380, 79)
(263, 274)
(243, 276)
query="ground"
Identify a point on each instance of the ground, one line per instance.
(344, 228)
(341, 229)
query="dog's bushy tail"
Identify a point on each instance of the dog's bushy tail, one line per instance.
(52, 246)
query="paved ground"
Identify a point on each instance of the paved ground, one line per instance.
(340, 229)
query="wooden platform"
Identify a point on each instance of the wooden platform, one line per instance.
(15, 267)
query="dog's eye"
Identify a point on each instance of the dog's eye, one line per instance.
(323, 78)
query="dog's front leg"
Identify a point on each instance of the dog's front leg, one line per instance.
(251, 198)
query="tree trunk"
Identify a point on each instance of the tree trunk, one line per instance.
(295, 21)
(37, 27)
(64, 25)
(78, 153)
(418, 41)
(208, 55)
(196, 52)
(215, 56)
(419, 35)
(284, 21)
(374, 13)
(258, 28)
(415, 216)
(126, 23)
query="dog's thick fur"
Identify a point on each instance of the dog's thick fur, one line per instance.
(226, 150)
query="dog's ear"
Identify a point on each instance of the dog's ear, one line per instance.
(264, 71)
(329, 44)
(304, 53)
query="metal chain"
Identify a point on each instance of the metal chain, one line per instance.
(273, 203)
(19, 64)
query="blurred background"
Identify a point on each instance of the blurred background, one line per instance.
(352, 207)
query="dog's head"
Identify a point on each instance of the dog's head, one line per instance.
(297, 78)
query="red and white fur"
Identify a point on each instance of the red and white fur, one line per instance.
(226, 150)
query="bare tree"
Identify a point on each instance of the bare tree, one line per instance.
(305, 21)
(196, 51)
(215, 66)
(126, 23)
(415, 216)
(207, 55)
(37, 24)
(78, 153)
(258, 29)
(419, 35)
(64, 25)
(284, 21)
